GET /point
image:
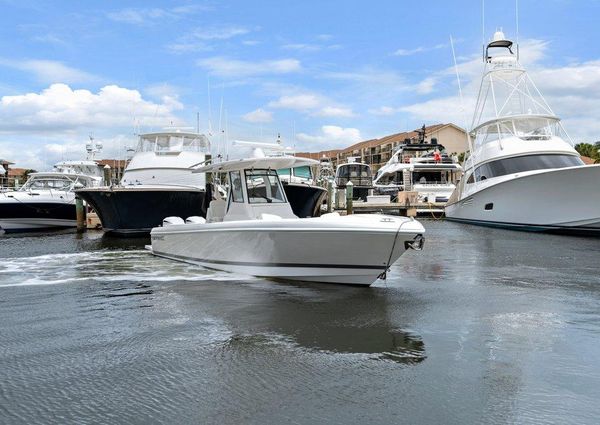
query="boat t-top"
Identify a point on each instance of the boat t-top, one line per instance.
(303, 193)
(255, 232)
(522, 171)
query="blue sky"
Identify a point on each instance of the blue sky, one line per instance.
(323, 74)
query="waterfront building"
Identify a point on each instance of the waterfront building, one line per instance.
(377, 152)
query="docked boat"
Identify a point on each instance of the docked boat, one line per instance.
(47, 199)
(421, 167)
(522, 173)
(357, 173)
(255, 232)
(303, 193)
(158, 182)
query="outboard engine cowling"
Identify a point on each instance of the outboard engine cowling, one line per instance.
(169, 221)
(195, 220)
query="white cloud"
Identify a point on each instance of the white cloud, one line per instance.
(334, 111)
(384, 111)
(222, 32)
(302, 47)
(312, 104)
(258, 116)
(48, 71)
(331, 136)
(197, 40)
(145, 16)
(298, 102)
(227, 67)
(61, 109)
(426, 86)
(420, 49)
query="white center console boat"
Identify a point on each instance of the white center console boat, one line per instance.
(255, 232)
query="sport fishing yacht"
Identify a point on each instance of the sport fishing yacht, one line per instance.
(357, 173)
(158, 182)
(47, 199)
(522, 173)
(255, 232)
(421, 167)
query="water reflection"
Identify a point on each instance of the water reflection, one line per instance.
(319, 318)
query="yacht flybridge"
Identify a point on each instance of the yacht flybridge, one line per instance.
(158, 182)
(254, 231)
(47, 199)
(521, 172)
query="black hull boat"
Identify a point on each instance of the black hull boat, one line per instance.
(134, 212)
(21, 217)
(305, 200)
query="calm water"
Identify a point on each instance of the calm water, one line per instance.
(484, 326)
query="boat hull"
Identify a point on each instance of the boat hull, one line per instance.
(304, 199)
(354, 251)
(134, 212)
(21, 215)
(564, 200)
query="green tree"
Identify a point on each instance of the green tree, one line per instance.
(590, 150)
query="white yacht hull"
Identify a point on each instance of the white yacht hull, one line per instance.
(351, 250)
(560, 200)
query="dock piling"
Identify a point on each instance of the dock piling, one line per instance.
(349, 194)
(329, 196)
(80, 214)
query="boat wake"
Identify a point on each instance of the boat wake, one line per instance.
(103, 266)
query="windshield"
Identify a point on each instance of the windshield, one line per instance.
(264, 187)
(48, 183)
(174, 143)
(358, 174)
(303, 172)
(524, 127)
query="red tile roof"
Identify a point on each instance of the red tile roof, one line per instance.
(393, 138)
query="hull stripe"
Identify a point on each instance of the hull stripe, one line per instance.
(257, 264)
(528, 227)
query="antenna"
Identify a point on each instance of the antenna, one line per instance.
(482, 30)
(221, 136)
(517, 19)
(209, 107)
(462, 102)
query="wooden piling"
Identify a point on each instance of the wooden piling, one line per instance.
(80, 214)
(329, 196)
(349, 194)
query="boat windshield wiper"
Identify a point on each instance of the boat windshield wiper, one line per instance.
(269, 200)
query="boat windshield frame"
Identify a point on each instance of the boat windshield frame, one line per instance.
(529, 127)
(271, 196)
(359, 180)
(70, 182)
(171, 143)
